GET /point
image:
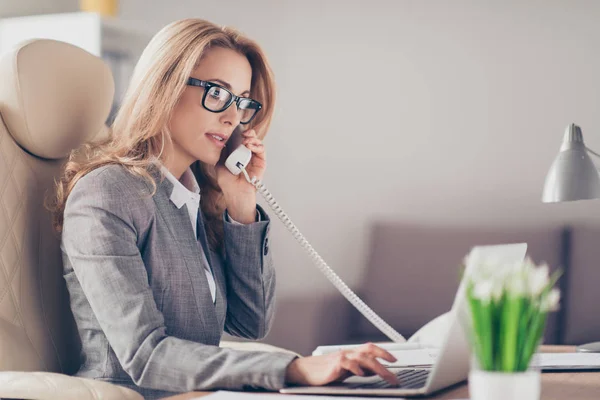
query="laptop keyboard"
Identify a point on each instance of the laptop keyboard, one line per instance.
(409, 379)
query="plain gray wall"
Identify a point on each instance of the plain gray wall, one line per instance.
(436, 112)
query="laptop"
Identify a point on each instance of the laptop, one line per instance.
(451, 364)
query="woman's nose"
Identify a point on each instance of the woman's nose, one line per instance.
(232, 115)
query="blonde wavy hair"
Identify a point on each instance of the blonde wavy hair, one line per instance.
(140, 129)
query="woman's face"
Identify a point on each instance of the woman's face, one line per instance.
(192, 126)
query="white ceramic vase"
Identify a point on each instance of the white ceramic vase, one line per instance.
(495, 385)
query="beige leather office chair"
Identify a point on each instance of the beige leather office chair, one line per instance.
(53, 97)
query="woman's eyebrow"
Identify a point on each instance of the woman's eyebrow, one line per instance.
(227, 85)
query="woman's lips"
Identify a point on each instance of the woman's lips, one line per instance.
(213, 138)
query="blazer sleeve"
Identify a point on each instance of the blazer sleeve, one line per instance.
(250, 277)
(99, 238)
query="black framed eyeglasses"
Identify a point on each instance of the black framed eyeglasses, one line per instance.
(217, 99)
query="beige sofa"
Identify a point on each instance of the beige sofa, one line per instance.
(412, 274)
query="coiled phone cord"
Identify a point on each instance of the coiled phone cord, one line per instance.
(322, 265)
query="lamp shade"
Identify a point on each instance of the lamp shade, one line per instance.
(573, 175)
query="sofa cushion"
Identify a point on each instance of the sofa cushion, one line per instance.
(582, 280)
(51, 386)
(413, 271)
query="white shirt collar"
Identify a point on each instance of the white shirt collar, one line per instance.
(184, 190)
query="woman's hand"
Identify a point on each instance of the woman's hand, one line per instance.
(334, 367)
(240, 196)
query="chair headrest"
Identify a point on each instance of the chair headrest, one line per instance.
(53, 96)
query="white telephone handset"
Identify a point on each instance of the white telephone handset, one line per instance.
(237, 157)
(432, 333)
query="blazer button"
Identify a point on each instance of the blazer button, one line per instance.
(266, 249)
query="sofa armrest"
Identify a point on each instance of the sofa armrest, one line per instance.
(51, 386)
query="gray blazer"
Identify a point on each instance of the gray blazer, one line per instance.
(141, 299)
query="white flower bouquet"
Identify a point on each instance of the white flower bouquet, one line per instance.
(508, 306)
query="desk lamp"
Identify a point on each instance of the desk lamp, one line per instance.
(573, 176)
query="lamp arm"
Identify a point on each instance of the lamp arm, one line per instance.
(592, 152)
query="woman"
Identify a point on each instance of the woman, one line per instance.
(163, 248)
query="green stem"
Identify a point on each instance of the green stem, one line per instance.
(475, 306)
(534, 338)
(510, 332)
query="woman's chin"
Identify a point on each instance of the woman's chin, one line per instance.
(210, 159)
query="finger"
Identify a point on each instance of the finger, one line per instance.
(253, 140)
(258, 151)
(352, 366)
(374, 365)
(256, 148)
(258, 160)
(257, 163)
(249, 133)
(377, 351)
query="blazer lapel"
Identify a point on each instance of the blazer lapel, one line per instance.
(216, 268)
(202, 238)
(176, 221)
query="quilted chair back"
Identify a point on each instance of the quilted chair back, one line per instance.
(53, 97)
